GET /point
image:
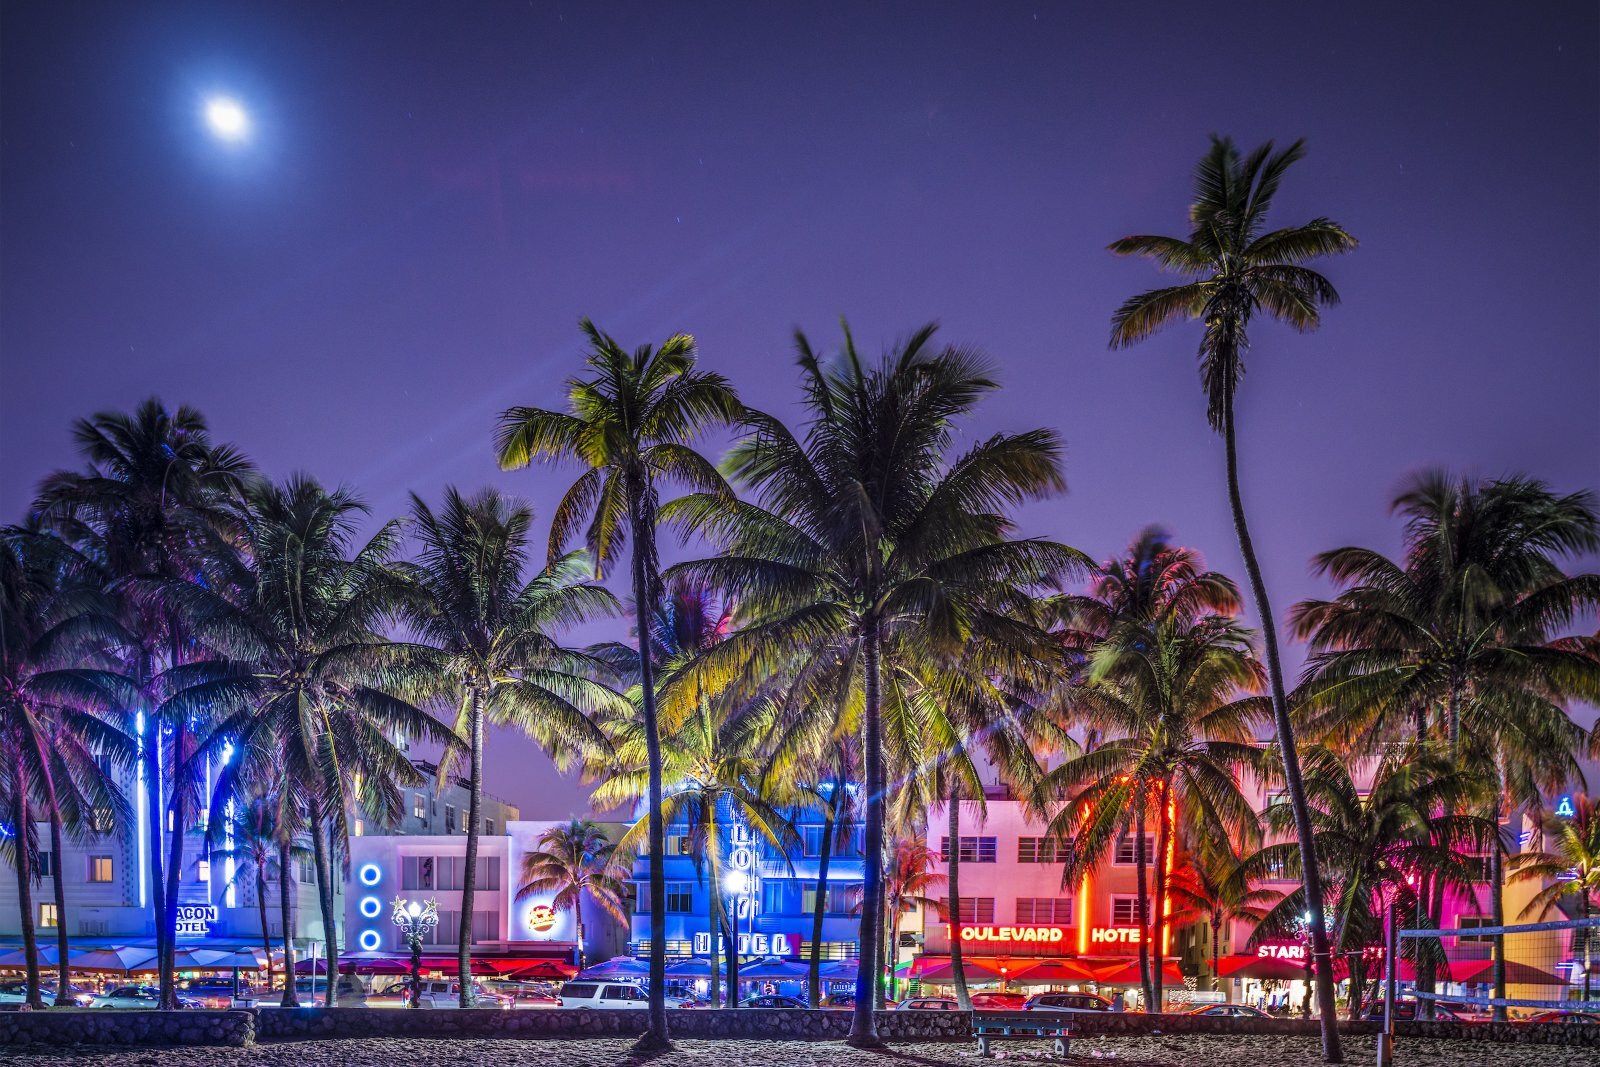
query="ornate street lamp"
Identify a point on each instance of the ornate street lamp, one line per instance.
(414, 920)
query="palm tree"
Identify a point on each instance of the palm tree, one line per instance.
(1379, 847)
(1236, 268)
(870, 544)
(574, 861)
(1458, 644)
(58, 703)
(261, 851)
(631, 423)
(1569, 866)
(1207, 882)
(1172, 696)
(312, 694)
(908, 885)
(151, 505)
(491, 626)
(713, 756)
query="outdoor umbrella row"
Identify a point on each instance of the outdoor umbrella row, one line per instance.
(129, 958)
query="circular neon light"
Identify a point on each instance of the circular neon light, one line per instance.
(370, 940)
(370, 906)
(369, 874)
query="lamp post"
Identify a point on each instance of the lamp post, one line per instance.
(414, 919)
(737, 883)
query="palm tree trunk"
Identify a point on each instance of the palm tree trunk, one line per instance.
(714, 928)
(261, 905)
(286, 912)
(150, 761)
(894, 953)
(655, 1037)
(59, 886)
(330, 929)
(863, 1024)
(1158, 922)
(1497, 913)
(22, 861)
(1216, 953)
(1588, 946)
(469, 877)
(958, 966)
(1332, 1052)
(577, 918)
(169, 919)
(1142, 882)
(819, 906)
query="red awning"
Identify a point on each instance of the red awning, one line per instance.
(1262, 968)
(1127, 973)
(1057, 970)
(1470, 972)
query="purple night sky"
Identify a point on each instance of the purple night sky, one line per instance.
(434, 193)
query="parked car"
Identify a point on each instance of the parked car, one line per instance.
(999, 1001)
(446, 993)
(772, 1000)
(1065, 1002)
(614, 996)
(839, 1000)
(1566, 1018)
(17, 993)
(525, 994)
(1230, 1011)
(312, 992)
(213, 992)
(930, 1004)
(137, 996)
(1405, 1010)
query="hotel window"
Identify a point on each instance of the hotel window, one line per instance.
(416, 872)
(680, 897)
(488, 872)
(488, 827)
(101, 821)
(1044, 911)
(641, 898)
(308, 871)
(811, 840)
(1128, 851)
(451, 871)
(44, 864)
(772, 896)
(679, 845)
(99, 868)
(49, 918)
(1124, 911)
(973, 909)
(359, 828)
(1472, 922)
(485, 926)
(419, 806)
(1042, 850)
(449, 818)
(202, 870)
(973, 849)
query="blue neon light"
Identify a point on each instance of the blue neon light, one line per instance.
(369, 874)
(370, 907)
(370, 940)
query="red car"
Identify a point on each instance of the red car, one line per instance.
(1566, 1018)
(998, 1001)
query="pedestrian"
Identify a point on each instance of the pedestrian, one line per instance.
(1119, 1002)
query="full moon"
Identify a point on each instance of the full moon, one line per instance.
(227, 118)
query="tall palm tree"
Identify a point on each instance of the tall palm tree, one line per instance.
(311, 694)
(631, 422)
(261, 851)
(497, 657)
(909, 884)
(1152, 580)
(1173, 698)
(1379, 847)
(574, 861)
(1569, 867)
(1458, 644)
(59, 700)
(152, 504)
(870, 542)
(1236, 268)
(713, 757)
(1207, 882)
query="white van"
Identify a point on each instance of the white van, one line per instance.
(614, 996)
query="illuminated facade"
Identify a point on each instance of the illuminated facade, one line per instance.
(422, 866)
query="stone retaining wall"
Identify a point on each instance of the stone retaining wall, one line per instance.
(232, 1028)
(793, 1024)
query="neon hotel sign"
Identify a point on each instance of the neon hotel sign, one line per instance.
(1014, 934)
